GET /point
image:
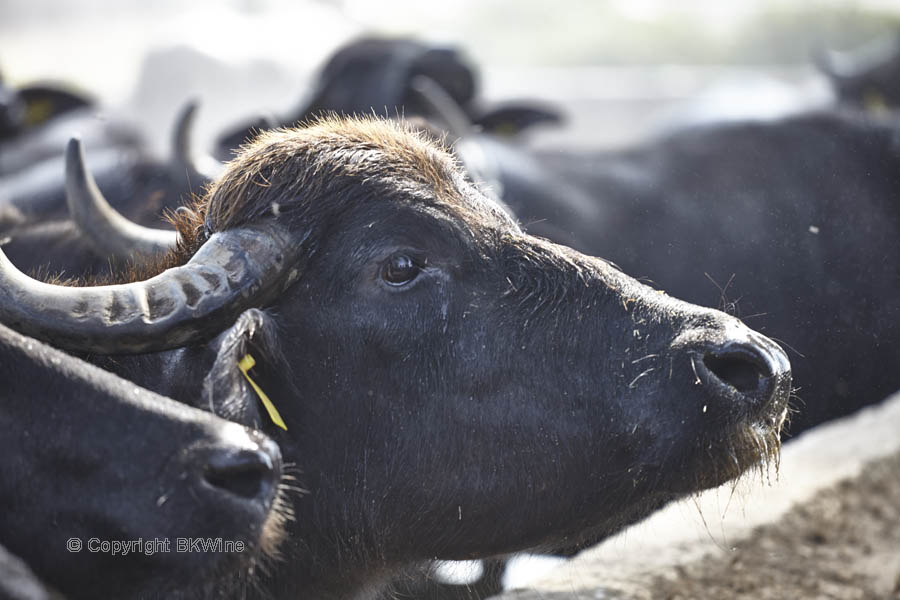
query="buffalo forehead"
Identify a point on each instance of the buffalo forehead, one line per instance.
(347, 159)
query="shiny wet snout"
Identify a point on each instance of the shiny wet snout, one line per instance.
(243, 469)
(746, 368)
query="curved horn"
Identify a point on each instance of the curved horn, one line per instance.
(109, 233)
(824, 60)
(233, 271)
(198, 169)
(481, 168)
(442, 104)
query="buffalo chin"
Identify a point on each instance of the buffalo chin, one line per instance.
(753, 447)
(234, 574)
(747, 448)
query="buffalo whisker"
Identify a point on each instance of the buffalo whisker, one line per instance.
(634, 381)
(637, 360)
(696, 377)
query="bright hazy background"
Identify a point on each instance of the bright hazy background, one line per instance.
(621, 68)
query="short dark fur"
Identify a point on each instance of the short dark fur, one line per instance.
(790, 224)
(497, 401)
(87, 455)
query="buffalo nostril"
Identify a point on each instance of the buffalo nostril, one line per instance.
(736, 370)
(748, 364)
(246, 473)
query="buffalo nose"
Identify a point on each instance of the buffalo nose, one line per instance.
(249, 469)
(754, 366)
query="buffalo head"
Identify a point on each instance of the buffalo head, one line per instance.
(452, 387)
(91, 460)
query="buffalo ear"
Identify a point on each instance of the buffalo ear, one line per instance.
(226, 391)
(46, 102)
(511, 119)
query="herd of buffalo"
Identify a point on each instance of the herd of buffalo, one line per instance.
(362, 344)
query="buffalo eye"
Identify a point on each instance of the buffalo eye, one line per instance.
(399, 270)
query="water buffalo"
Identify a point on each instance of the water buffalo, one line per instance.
(451, 386)
(36, 120)
(90, 456)
(790, 224)
(35, 221)
(28, 108)
(384, 76)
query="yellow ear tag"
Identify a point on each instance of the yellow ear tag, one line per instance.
(245, 365)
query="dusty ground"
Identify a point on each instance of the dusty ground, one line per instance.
(826, 526)
(844, 544)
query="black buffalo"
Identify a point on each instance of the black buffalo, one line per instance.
(28, 108)
(451, 386)
(401, 76)
(36, 120)
(36, 227)
(792, 225)
(91, 456)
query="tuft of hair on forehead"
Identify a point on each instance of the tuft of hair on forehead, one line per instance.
(287, 170)
(302, 175)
